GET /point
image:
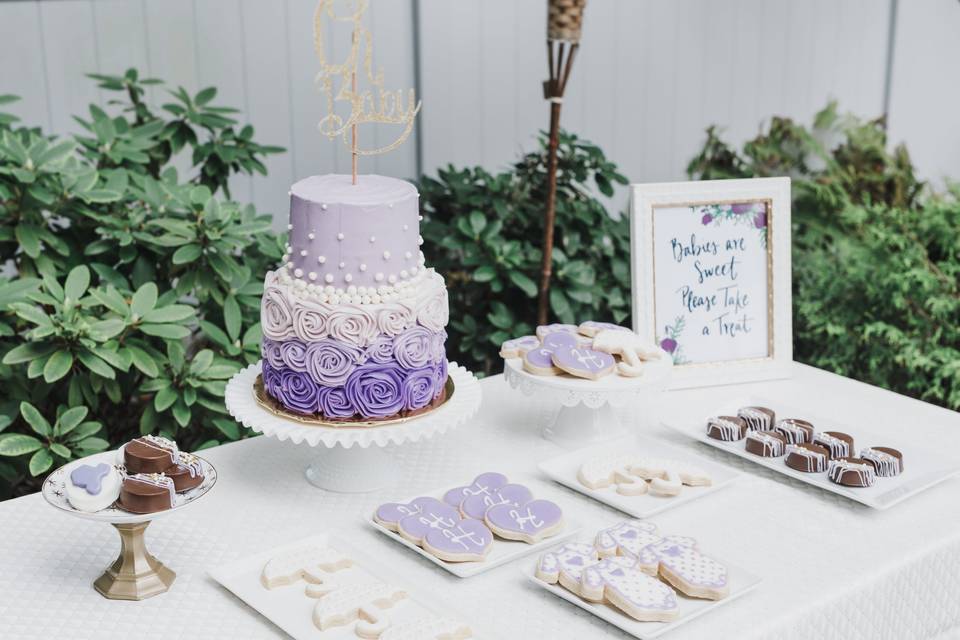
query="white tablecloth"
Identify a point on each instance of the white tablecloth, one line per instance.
(831, 568)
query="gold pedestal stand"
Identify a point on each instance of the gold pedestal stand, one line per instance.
(135, 575)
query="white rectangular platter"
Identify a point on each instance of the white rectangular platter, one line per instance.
(923, 466)
(291, 609)
(502, 551)
(564, 468)
(740, 580)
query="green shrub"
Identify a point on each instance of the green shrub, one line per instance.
(875, 254)
(483, 233)
(136, 293)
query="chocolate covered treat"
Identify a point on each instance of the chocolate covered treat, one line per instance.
(839, 445)
(758, 418)
(150, 454)
(187, 473)
(807, 457)
(795, 430)
(851, 472)
(147, 493)
(726, 428)
(886, 462)
(767, 444)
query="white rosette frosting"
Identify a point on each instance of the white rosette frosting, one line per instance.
(393, 318)
(434, 312)
(276, 317)
(310, 320)
(352, 324)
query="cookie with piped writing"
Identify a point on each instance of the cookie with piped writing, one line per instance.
(851, 472)
(795, 430)
(886, 462)
(758, 418)
(726, 428)
(766, 444)
(516, 347)
(839, 444)
(539, 362)
(807, 457)
(582, 362)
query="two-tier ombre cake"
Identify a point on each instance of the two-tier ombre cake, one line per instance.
(353, 322)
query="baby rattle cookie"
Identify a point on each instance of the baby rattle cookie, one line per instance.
(632, 349)
(604, 471)
(311, 564)
(583, 362)
(539, 362)
(91, 488)
(516, 347)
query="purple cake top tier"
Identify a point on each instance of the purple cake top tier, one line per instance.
(363, 235)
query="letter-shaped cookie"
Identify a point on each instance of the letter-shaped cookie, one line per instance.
(604, 471)
(667, 477)
(565, 564)
(629, 346)
(622, 583)
(362, 602)
(683, 566)
(628, 538)
(310, 564)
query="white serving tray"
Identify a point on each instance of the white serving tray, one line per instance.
(740, 580)
(564, 469)
(291, 609)
(923, 466)
(502, 551)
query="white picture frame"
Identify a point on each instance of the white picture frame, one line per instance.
(699, 296)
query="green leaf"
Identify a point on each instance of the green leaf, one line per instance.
(168, 331)
(27, 352)
(111, 299)
(187, 253)
(229, 428)
(165, 398)
(17, 444)
(181, 413)
(201, 362)
(70, 419)
(40, 462)
(29, 238)
(57, 366)
(524, 283)
(484, 274)
(205, 96)
(170, 313)
(60, 450)
(477, 222)
(95, 364)
(92, 445)
(84, 430)
(35, 419)
(103, 330)
(231, 316)
(143, 361)
(144, 299)
(77, 282)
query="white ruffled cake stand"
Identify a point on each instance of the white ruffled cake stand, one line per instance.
(579, 411)
(352, 459)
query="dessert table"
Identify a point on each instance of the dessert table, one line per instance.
(830, 567)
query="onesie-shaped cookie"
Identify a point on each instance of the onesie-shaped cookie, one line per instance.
(565, 564)
(628, 538)
(621, 582)
(361, 602)
(311, 564)
(629, 346)
(682, 565)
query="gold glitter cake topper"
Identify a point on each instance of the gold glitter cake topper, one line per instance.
(339, 83)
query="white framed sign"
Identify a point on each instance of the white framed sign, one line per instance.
(711, 277)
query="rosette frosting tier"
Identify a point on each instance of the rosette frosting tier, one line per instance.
(353, 322)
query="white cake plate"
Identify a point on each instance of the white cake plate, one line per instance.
(580, 412)
(136, 574)
(352, 459)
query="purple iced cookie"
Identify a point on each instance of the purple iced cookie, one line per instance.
(560, 340)
(90, 477)
(546, 329)
(516, 347)
(466, 540)
(483, 485)
(530, 523)
(583, 362)
(539, 362)
(390, 514)
(433, 515)
(476, 506)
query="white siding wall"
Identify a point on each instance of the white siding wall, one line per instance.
(649, 77)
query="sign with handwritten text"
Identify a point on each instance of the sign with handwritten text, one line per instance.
(711, 281)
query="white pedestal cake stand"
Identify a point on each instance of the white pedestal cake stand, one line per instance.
(136, 574)
(579, 411)
(352, 459)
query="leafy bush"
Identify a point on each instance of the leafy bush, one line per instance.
(136, 294)
(875, 257)
(483, 233)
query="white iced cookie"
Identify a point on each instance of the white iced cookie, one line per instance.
(311, 564)
(92, 487)
(633, 349)
(604, 471)
(591, 328)
(428, 629)
(361, 602)
(516, 347)
(667, 477)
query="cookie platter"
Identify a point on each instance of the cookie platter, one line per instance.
(629, 473)
(322, 588)
(639, 580)
(922, 466)
(495, 522)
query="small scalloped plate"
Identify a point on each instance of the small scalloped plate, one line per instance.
(54, 492)
(501, 552)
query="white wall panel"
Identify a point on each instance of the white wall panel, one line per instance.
(23, 67)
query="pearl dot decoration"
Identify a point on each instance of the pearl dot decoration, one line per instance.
(303, 252)
(386, 255)
(328, 277)
(298, 273)
(378, 277)
(321, 259)
(404, 274)
(406, 227)
(342, 265)
(339, 236)
(348, 278)
(289, 265)
(391, 278)
(373, 239)
(408, 255)
(311, 235)
(323, 206)
(312, 275)
(289, 227)
(363, 267)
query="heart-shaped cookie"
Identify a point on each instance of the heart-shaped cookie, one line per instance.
(531, 522)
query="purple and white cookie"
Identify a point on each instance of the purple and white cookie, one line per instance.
(91, 488)
(682, 565)
(560, 340)
(627, 538)
(592, 327)
(565, 564)
(583, 363)
(620, 582)
(539, 362)
(546, 329)
(440, 530)
(390, 514)
(483, 485)
(531, 522)
(516, 347)
(476, 506)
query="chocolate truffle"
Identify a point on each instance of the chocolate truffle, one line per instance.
(795, 430)
(807, 457)
(146, 493)
(150, 454)
(187, 473)
(767, 444)
(726, 428)
(886, 462)
(840, 445)
(758, 418)
(851, 472)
